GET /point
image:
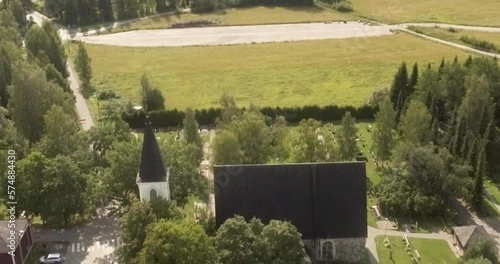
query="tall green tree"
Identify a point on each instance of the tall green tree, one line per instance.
(284, 243)
(398, 92)
(226, 149)
(185, 178)
(31, 97)
(238, 241)
(384, 136)
(30, 182)
(16, 7)
(482, 248)
(191, 134)
(415, 125)
(54, 8)
(452, 83)
(55, 49)
(84, 69)
(306, 147)
(62, 192)
(152, 99)
(412, 82)
(70, 13)
(61, 133)
(103, 137)
(119, 178)
(254, 137)
(106, 10)
(9, 28)
(177, 243)
(56, 77)
(45, 46)
(280, 135)
(348, 148)
(427, 177)
(229, 109)
(133, 227)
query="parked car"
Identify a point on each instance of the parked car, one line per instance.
(52, 258)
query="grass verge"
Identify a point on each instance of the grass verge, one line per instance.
(430, 250)
(242, 16)
(493, 190)
(342, 72)
(484, 13)
(455, 35)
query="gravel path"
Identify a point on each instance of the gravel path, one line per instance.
(209, 36)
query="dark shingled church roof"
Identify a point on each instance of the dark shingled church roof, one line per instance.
(152, 167)
(323, 200)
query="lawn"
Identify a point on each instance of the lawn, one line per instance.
(243, 16)
(493, 190)
(483, 12)
(343, 72)
(3, 211)
(430, 250)
(456, 34)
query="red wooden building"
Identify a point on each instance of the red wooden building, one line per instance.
(23, 242)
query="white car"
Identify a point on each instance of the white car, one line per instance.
(52, 258)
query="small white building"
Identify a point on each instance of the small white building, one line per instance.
(153, 175)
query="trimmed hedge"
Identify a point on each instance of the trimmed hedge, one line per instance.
(174, 117)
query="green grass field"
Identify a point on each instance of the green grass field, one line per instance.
(446, 34)
(493, 190)
(482, 12)
(430, 250)
(243, 16)
(343, 72)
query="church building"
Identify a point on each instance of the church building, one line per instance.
(325, 201)
(153, 175)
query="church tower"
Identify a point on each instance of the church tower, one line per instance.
(153, 175)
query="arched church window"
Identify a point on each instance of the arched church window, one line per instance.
(153, 194)
(327, 250)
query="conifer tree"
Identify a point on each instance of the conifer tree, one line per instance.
(348, 148)
(84, 70)
(384, 131)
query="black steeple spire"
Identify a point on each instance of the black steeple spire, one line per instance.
(152, 167)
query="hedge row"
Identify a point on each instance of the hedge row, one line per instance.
(173, 118)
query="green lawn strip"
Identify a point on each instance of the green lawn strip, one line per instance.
(3, 211)
(430, 250)
(371, 220)
(484, 13)
(242, 16)
(454, 35)
(426, 225)
(488, 209)
(343, 72)
(188, 209)
(493, 190)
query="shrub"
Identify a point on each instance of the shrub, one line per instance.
(174, 117)
(194, 23)
(452, 30)
(106, 94)
(479, 44)
(343, 6)
(415, 29)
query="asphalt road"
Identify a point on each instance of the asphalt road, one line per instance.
(81, 106)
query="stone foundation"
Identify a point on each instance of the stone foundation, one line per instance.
(347, 250)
